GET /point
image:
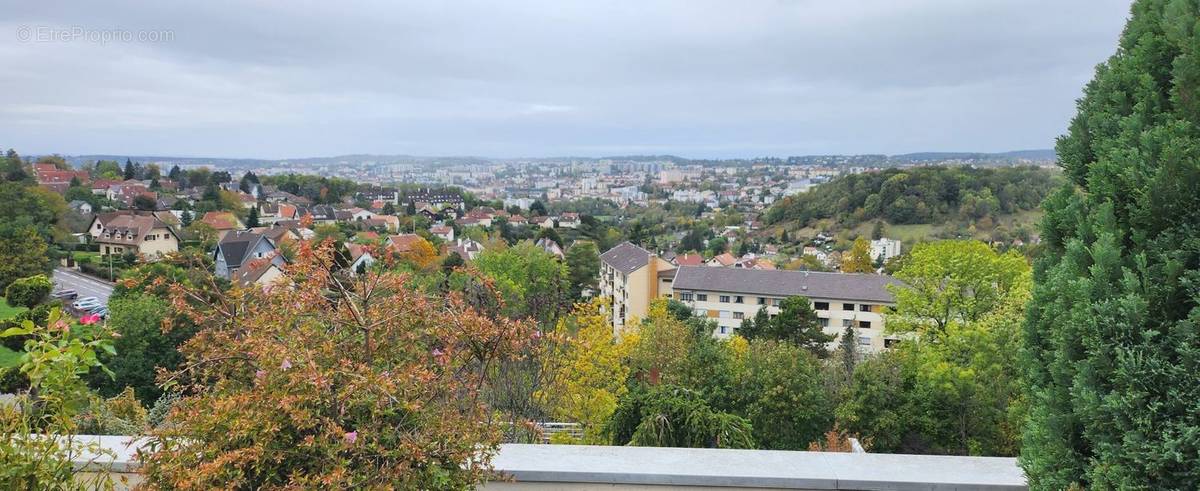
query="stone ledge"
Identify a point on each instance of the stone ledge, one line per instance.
(756, 468)
(568, 466)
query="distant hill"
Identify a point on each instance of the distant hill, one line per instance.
(1043, 154)
(920, 195)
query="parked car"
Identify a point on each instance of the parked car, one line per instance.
(101, 312)
(85, 302)
(94, 309)
(66, 294)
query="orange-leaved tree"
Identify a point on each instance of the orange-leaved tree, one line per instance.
(421, 254)
(329, 381)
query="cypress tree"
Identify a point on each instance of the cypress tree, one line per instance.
(848, 350)
(1112, 334)
(252, 220)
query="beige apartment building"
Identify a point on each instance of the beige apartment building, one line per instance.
(631, 277)
(729, 295)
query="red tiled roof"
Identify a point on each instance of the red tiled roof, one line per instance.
(403, 243)
(220, 220)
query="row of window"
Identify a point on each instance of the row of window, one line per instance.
(703, 297)
(862, 307)
(862, 340)
(824, 322)
(131, 236)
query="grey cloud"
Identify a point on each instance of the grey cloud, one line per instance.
(696, 78)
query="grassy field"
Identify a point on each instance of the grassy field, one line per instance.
(909, 233)
(8, 358)
(6, 311)
(86, 255)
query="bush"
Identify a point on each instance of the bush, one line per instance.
(28, 292)
(100, 269)
(119, 415)
(331, 384)
(672, 416)
(144, 346)
(37, 315)
(32, 453)
(161, 408)
(12, 381)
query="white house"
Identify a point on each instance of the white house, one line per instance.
(443, 232)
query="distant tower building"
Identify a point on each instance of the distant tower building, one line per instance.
(885, 248)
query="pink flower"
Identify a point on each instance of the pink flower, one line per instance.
(260, 374)
(351, 437)
(537, 334)
(286, 364)
(437, 352)
(89, 319)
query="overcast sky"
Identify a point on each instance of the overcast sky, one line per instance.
(523, 78)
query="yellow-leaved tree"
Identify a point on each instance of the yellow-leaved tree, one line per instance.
(858, 258)
(586, 372)
(660, 353)
(421, 254)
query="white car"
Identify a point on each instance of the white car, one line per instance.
(86, 303)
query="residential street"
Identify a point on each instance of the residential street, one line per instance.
(86, 285)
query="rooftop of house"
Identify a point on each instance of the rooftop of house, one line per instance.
(253, 271)
(725, 259)
(403, 242)
(550, 246)
(277, 232)
(129, 228)
(220, 220)
(356, 250)
(236, 247)
(779, 283)
(465, 248)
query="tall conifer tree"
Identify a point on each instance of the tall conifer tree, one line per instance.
(1112, 333)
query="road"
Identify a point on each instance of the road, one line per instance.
(86, 285)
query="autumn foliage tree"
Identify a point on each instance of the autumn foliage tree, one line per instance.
(587, 373)
(421, 254)
(858, 258)
(328, 382)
